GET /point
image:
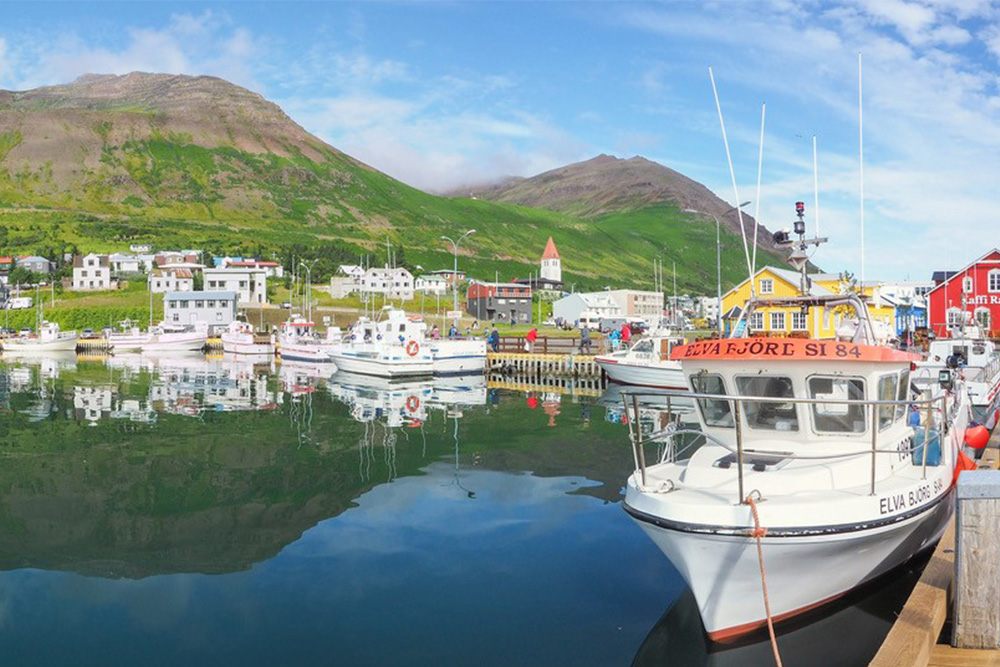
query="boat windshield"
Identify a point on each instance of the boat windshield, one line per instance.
(643, 347)
(837, 417)
(716, 412)
(769, 415)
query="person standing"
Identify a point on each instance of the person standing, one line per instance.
(615, 337)
(584, 340)
(529, 340)
(626, 334)
(495, 339)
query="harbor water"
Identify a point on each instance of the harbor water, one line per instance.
(184, 510)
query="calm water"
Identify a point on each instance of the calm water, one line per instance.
(190, 511)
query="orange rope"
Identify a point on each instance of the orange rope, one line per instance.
(758, 533)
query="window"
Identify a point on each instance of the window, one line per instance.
(199, 304)
(715, 412)
(173, 304)
(83, 274)
(218, 317)
(777, 320)
(176, 317)
(243, 284)
(956, 317)
(837, 417)
(182, 304)
(757, 321)
(983, 318)
(887, 385)
(770, 415)
(767, 285)
(967, 284)
(994, 280)
(798, 321)
(904, 389)
(210, 303)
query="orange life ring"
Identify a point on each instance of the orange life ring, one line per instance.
(412, 348)
(413, 404)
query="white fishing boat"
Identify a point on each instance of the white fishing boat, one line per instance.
(976, 358)
(646, 364)
(241, 338)
(168, 337)
(392, 347)
(48, 339)
(298, 340)
(805, 445)
(457, 356)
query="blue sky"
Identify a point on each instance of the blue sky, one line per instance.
(444, 94)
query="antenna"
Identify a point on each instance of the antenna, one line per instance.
(732, 175)
(756, 210)
(815, 186)
(861, 173)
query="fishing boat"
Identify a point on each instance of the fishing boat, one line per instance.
(298, 340)
(647, 363)
(976, 358)
(457, 356)
(241, 338)
(48, 339)
(807, 445)
(393, 347)
(165, 337)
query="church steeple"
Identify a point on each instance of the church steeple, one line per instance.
(551, 264)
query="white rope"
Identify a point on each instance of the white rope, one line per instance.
(732, 174)
(760, 170)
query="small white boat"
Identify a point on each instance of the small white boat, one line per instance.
(976, 358)
(813, 437)
(393, 347)
(646, 364)
(172, 338)
(299, 341)
(48, 339)
(240, 338)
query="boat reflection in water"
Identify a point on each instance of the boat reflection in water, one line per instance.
(846, 632)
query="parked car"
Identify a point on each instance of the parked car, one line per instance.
(286, 304)
(88, 333)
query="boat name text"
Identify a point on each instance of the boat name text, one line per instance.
(900, 501)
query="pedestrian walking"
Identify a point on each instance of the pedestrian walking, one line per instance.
(529, 340)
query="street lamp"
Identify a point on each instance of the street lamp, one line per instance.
(454, 273)
(718, 260)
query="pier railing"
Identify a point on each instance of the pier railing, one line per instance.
(936, 413)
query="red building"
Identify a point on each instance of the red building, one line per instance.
(967, 296)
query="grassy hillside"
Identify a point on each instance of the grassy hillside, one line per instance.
(96, 165)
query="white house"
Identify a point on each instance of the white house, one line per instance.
(217, 309)
(598, 305)
(394, 283)
(250, 284)
(123, 263)
(431, 284)
(171, 280)
(92, 272)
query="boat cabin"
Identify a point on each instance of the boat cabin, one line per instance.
(783, 369)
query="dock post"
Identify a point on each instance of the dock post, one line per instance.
(977, 555)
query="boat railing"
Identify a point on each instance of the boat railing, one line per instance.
(987, 372)
(936, 418)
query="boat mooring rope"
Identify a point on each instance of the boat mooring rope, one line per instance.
(759, 533)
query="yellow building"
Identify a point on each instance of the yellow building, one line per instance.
(819, 322)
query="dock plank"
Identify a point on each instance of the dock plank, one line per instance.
(944, 655)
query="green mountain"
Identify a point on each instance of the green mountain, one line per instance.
(199, 162)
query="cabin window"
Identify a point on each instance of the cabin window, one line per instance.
(757, 321)
(767, 286)
(887, 385)
(715, 412)
(778, 320)
(643, 346)
(837, 417)
(769, 415)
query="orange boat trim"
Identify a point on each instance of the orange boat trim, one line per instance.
(788, 349)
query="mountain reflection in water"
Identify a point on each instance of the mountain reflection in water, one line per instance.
(344, 519)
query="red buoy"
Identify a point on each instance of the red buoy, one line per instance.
(977, 436)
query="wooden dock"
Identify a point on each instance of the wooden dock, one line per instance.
(570, 386)
(915, 637)
(539, 365)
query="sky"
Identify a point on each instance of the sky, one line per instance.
(448, 95)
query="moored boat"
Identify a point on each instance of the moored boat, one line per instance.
(976, 358)
(241, 338)
(646, 364)
(298, 341)
(48, 339)
(392, 347)
(810, 440)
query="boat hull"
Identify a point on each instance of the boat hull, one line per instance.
(34, 346)
(803, 572)
(246, 347)
(315, 354)
(383, 367)
(175, 343)
(658, 376)
(458, 357)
